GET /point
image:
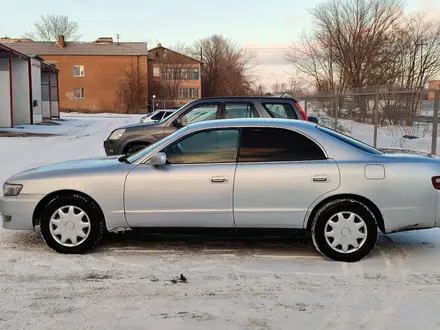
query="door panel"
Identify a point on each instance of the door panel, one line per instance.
(180, 196)
(194, 188)
(278, 195)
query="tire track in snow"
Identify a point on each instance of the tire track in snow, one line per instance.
(340, 315)
(380, 315)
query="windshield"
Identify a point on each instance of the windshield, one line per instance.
(349, 140)
(141, 153)
(168, 115)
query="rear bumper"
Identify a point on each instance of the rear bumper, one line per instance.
(17, 212)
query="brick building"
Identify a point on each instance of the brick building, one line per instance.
(174, 78)
(433, 84)
(95, 76)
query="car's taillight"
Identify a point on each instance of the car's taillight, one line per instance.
(303, 113)
(436, 182)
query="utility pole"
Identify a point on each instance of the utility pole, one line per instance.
(421, 44)
(200, 73)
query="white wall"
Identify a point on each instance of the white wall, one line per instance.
(20, 91)
(55, 110)
(5, 107)
(45, 109)
(36, 90)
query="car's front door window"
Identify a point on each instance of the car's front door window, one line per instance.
(213, 146)
(202, 112)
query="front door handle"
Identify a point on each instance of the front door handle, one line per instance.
(219, 179)
(320, 178)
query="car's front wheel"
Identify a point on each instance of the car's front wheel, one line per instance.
(72, 224)
(135, 148)
(344, 230)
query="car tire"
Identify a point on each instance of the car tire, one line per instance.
(135, 148)
(340, 225)
(62, 218)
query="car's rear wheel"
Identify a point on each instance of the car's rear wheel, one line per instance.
(344, 230)
(72, 224)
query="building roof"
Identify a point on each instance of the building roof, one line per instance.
(4, 48)
(81, 48)
(161, 48)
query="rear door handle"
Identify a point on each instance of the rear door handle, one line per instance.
(219, 179)
(320, 178)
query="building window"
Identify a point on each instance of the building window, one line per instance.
(181, 73)
(78, 93)
(188, 93)
(195, 74)
(78, 70)
(156, 71)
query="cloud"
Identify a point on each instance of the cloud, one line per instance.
(429, 7)
(270, 62)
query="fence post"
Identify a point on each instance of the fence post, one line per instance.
(434, 124)
(375, 118)
(336, 103)
(305, 106)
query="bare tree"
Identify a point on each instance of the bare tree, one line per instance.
(355, 44)
(227, 68)
(132, 88)
(51, 26)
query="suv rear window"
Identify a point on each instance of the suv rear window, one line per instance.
(280, 110)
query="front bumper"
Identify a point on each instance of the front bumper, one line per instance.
(110, 148)
(17, 212)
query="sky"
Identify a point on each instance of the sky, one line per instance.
(266, 27)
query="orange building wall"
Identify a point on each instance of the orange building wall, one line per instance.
(181, 84)
(433, 84)
(100, 81)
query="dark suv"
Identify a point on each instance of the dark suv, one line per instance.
(131, 138)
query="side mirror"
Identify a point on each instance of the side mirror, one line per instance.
(313, 119)
(177, 123)
(159, 159)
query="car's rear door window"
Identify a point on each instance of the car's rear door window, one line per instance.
(212, 146)
(239, 110)
(280, 110)
(277, 145)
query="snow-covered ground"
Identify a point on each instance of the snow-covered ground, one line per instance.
(270, 284)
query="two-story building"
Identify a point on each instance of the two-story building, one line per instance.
(96, 76)
(174, 78)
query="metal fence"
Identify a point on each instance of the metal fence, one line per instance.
(165, 104)
(383, 118)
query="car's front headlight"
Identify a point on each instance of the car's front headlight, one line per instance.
(12, 189)
(116, 135)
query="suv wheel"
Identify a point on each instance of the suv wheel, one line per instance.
(135, 148)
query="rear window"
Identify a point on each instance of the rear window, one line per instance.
(349, 140)
(280, 110)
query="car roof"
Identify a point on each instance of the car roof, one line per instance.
(254, 122)
(256, 98)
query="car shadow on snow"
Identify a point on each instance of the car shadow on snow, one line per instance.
(297, 245)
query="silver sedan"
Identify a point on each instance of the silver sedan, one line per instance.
(232, 174)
